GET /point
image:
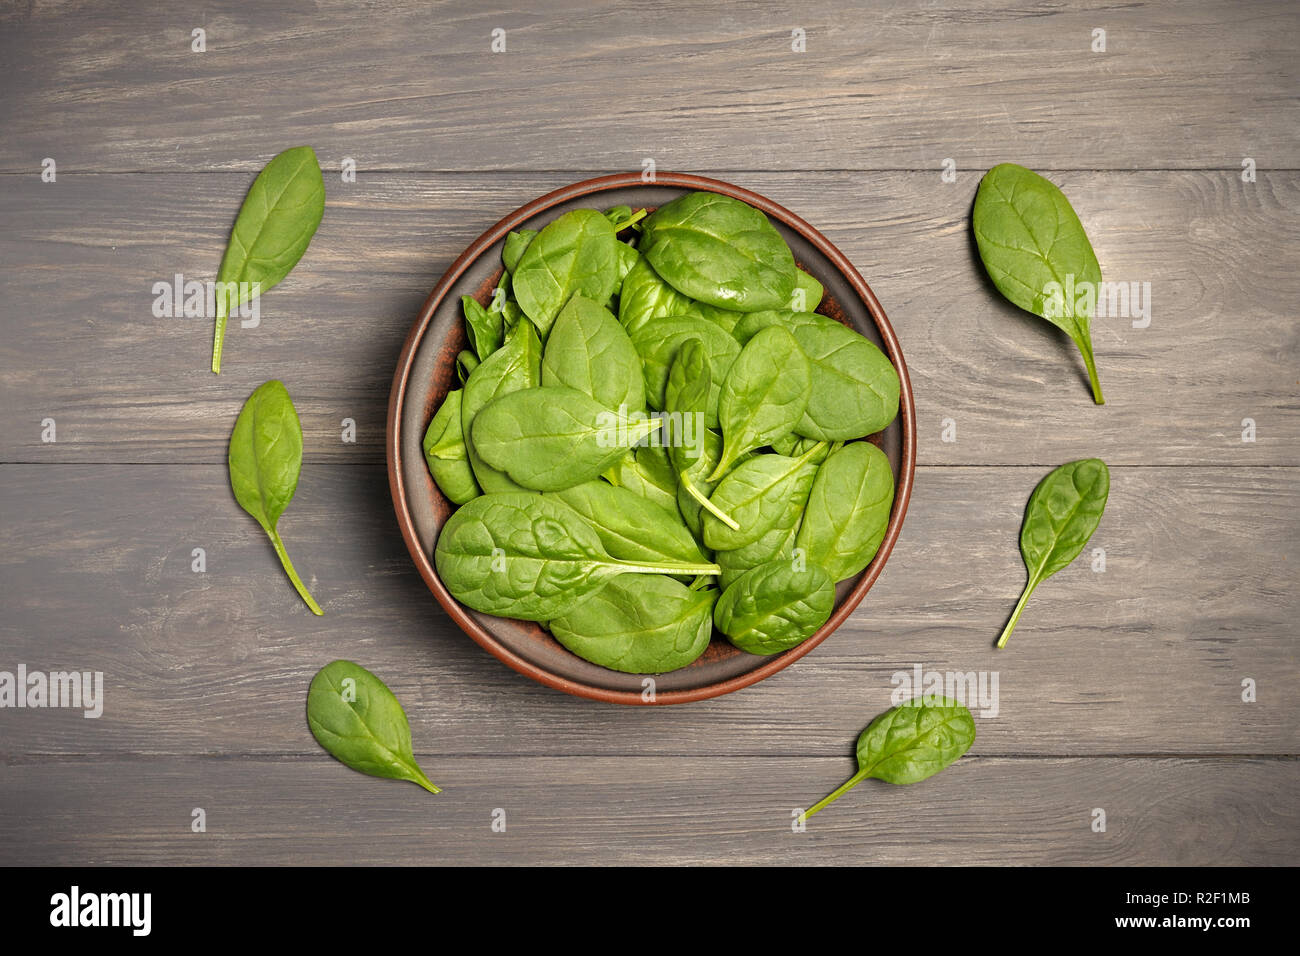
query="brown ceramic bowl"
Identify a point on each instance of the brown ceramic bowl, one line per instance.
(426, 370)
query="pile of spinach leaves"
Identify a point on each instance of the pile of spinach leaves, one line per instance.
(657, 438)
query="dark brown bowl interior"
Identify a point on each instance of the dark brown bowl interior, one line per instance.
(426, 371)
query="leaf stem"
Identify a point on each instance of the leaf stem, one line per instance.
(219, 335)
(635, 218)
(293, 575)
(848, 785)
(670, 568)
(1085, 347)
(1015, 615)
(706, 504)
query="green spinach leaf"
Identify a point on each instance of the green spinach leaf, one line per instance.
(1062, 514)
(516, 365)
(775, 606)
(848, 510)
(764, 395)
(720, 251)
(531, 557)
(574, 255)
(354, 716)
(588, 350)
(630, 527)
(909, 743)
(639, 624)
(274, 227)
(265, 459)
(554, 437)
(1037, 254)
(445, 454)
(657, 341)
(483, 328)
(754, 495)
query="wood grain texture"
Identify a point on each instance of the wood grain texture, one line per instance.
(1222, 346)
(650, 811)
(1147, 657)
(602, 85)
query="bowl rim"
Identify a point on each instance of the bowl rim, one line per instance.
(397, 397)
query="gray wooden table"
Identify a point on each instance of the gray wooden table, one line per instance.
(1122, 691)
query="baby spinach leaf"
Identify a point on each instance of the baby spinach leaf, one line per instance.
(808, 293)
(855, 387)
(639, 624)
(645, 296)
(265, 459)
(720, 251)
(575, 254)
(657, 341)
(690, 382)
(848, 510)
(588, 350)
(1037, 254)
(445, 454)
(516, 365)
(513, 249)
(554, 437)
(776, 543)
(483, 328)
(531, 557)
(909, 743)
(754, 495)
(775, 606)
(274, 227)
(649, 474)
(763, 396)
(466, 362)
(1062, 514)
(354, 716)
(630, 527)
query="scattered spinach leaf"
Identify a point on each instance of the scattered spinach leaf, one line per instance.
(1062, 514)
(354, 716)
(1037, 253)
(265, 459)
(908, 743)
(272, 231)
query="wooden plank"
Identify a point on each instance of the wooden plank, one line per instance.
(1148, 657)
(1221, 347)
(650, 810)
(602, 85)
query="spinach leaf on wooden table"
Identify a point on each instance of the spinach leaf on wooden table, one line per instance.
(909, 743)
(279, 216)
(265, 458)
(354, 716)
(1061, 516)
(1032, 243)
